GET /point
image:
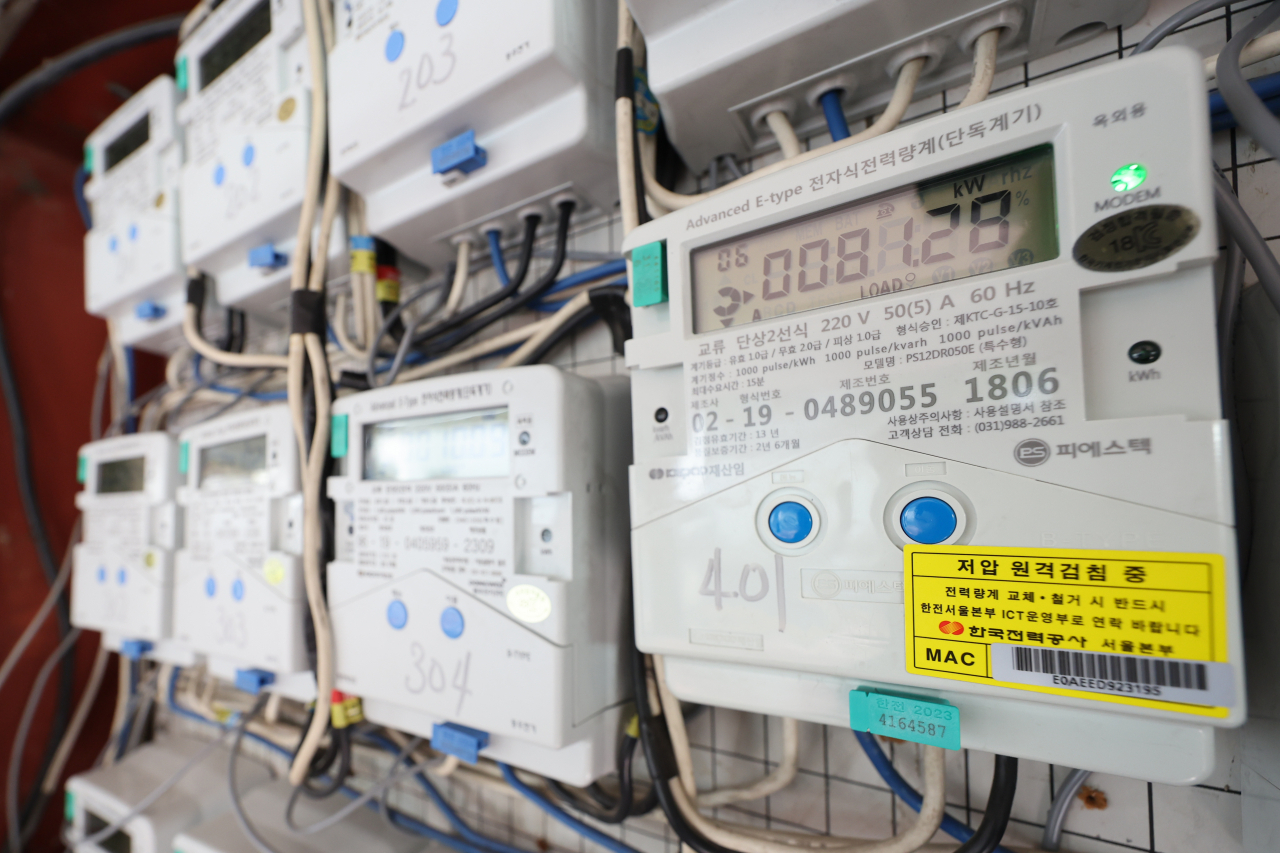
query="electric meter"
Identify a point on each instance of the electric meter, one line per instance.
(361, 830)
(479, 591)
(247, 118)
(122, 580)
(938, 413)
(132, 271)
(718, 70)
(100, 797)
(447, 115)
(238, 589)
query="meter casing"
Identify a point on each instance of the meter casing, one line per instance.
(102, 796)
(533, 79)
(248, 132)
(122, 580)
(132, 269)
(238, 588)
(716, 70)
(498, 603)
(831, 617)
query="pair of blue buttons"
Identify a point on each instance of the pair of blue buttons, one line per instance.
(121, 575)
(451, 621)
(237, 588)
(925, 520)
(445, 11)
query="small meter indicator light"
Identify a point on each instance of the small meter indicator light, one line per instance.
(1128, 177)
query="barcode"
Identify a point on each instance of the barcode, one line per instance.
(1135, 670)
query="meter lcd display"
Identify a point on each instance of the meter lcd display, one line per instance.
(996, 215)
(127, 143)
(458, 445)
(234, 463)
(122, 475)
(239, 40)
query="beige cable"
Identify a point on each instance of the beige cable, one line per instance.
(486, 347)
(1262, 48)
(349, 346)
(122, 707)
(624, 134)
(218, 356)
(782, 776)
(462, 272)
(903, 92)
(784, 133)
(565, 314)
(984, 67)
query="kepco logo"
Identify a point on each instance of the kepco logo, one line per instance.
(656, 473)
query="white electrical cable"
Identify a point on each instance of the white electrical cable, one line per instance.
(782, 776)
(565, 314)
(1262, 48)
(340, 311)
(784, 133)
(471, 353)
(462, 271)
(219, 356)
(744, 840)
(984, 67)
(903, 92)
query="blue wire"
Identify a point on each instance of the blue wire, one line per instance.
(594, 274)
(1266, 87)
(539, 305)
(495, 252)
(227, 389)
(82, 177)
(910, 795)
(833, 109)
(200, 718)
(588, 832)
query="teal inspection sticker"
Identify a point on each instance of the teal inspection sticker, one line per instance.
(933, 722)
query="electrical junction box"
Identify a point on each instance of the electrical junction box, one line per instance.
(247, 119)
(132, 270)
(717, 69)
(938, 413)
(99, 798)
(481, 571)
(122, 576)
(448, 115)
(238, 590)
(363, 830)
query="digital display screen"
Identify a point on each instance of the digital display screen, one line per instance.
(237, 41)
(235, 463)
(992, 216)
(122, 475)
(127, 143)
(437, 447)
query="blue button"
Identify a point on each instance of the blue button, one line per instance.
(395, 45)
(133, 232)
(210, 587)
(397, 614)
(790, 522)
(445, 10)
(121, 577)
(102, 574)
(237, 589)
(452, 623)
(219, 175)
(928, 520)
(113, 244)
(247, 155)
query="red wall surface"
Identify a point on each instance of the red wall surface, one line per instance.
(53, 344)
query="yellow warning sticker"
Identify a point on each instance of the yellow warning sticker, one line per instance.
(1133, 627)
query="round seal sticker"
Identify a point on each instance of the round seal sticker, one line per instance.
(528, 603)
(1136, 238)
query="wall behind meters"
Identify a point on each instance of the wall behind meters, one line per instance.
(837, 791)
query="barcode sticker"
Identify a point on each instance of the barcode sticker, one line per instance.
(1151, 629)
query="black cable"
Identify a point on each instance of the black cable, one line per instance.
(340, 744)
(606, 808)
(1004, 784)
(522, 298)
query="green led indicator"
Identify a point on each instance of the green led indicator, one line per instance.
(1128, 177)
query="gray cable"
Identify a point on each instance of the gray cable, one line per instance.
(1177, 19)
(1058, 809)
(1245, 234)
(371, 369)
(237, 808)
(100, 391)
(1229, 308)
(20, 739)
(378, 790)
(1250, 112)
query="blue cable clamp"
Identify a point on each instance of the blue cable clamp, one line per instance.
(135, 649)
(253, 680)
(266, 257)
(149, 309)
(464, 742)
(460, 153)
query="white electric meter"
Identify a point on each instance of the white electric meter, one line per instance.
(100, 797)
(122, 580)
(938, 413)
(446, 115)
(133, 274)
(481, 572)
(362, 830)
(247, 118)
(238, 589)
(718, 69)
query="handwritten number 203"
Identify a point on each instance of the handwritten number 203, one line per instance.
(427, 73)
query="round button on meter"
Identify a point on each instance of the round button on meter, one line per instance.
(790, 522)
(452, 623)
(397, 614)
(928, 520)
